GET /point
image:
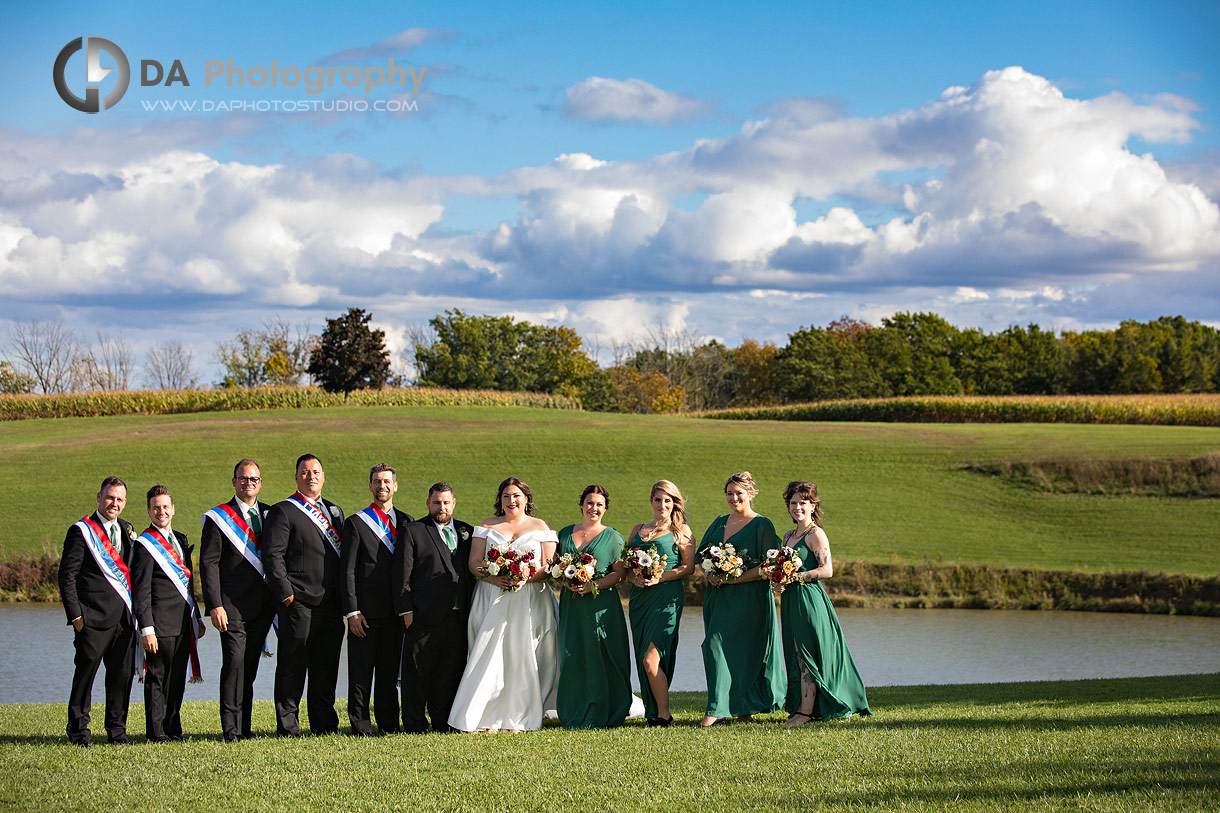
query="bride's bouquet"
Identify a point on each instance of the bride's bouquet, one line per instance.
(573, 570)
(722, 560)
(646, 562)
(510, 559)
(781, 567)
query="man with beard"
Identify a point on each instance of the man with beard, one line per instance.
(432, 590)
(236, 597)
(301, 559)
(374, 633)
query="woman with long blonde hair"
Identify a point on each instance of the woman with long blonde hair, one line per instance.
(656, 604)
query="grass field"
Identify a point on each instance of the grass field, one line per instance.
(892, 492)
(1132, 744)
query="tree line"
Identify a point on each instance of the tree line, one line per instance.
(665, 371)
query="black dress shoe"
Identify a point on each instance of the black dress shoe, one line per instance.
(121, 739)
(294, 735)
(231, 738)
(162, 738)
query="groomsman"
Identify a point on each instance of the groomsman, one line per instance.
(168, 618)
(432, 591)
(374, 633)
(301, 559)
(235, 595)
(95, 587)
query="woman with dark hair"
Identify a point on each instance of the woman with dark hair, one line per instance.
(741, 644)
(823, 683)
(657, 598)
(595, 669)
(511, 673)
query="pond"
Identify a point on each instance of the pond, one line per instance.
(891, 647)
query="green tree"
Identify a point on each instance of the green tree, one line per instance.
(275, 355)
(350, 355)
(924, 368)
(13, 382)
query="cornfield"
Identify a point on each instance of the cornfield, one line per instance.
(1169, 410)
(169, 402)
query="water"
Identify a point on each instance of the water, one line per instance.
(891, 648)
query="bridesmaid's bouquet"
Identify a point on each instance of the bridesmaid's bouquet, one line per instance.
(646, 562)
(722, 560)
(512, 560)
(573, 570)
(781, 567)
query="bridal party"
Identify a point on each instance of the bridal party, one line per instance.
(498, 622)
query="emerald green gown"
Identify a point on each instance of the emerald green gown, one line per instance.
(656, 613)
(741, 644)
(812, 637)
(594, 656)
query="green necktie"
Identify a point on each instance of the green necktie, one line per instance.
(114, 539)
(254, 526)
(449, 540)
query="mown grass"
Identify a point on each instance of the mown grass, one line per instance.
(893, 493)
(175, 402)
(1166, 410)
(1158, 477)
(1131, 744)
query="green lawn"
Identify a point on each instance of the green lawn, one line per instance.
(1132, 744)
(892, 492)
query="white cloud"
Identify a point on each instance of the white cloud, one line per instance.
(406, 40)
(600, 99)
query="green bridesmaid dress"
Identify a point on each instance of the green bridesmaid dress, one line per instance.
(812, 637)
(741, 645)
(594, 657)
(656, 613)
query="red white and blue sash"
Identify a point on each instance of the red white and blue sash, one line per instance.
(114, 569)
(238, 531)
(108, 560)
(381, 524)
(171, 564)
(319, 518)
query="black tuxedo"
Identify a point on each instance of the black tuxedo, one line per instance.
(366, 586)
(299, 561)
(160, 606)
(106, 637)
(231, 582)
(435, 586)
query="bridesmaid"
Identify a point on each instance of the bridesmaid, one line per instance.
(741, 644)
(595, 670)
(823, 683)
(656, 604)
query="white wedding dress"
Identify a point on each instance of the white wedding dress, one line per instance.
(512, 670)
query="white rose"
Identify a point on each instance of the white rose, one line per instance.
(589, 570)
(493, 569)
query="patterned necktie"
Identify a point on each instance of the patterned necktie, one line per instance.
(113, 530)
(449, 540)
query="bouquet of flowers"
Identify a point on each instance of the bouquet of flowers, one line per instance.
(722, 560)
(646, 562)
(781, 567)
(512, 560)
(573, 570)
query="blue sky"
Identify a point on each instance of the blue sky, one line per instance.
(728, 170)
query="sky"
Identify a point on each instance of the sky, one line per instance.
(725, 170)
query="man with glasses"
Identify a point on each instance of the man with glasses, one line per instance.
(301, 554)
(235, 595)
(95, 586)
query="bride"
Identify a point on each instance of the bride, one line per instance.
(513, 667)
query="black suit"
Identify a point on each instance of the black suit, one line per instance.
(231, 582)
(434, 585)
(365, 586)
(106, 637)
(299, 561)
(159, 605)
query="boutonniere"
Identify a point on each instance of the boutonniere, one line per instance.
(334, 510)
(464, 534)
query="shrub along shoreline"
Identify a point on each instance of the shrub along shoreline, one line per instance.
(869, 585)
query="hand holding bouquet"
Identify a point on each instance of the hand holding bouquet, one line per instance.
(723, 562)
(511, 560)
(573, 571)
(647, 563)
(780, 568)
